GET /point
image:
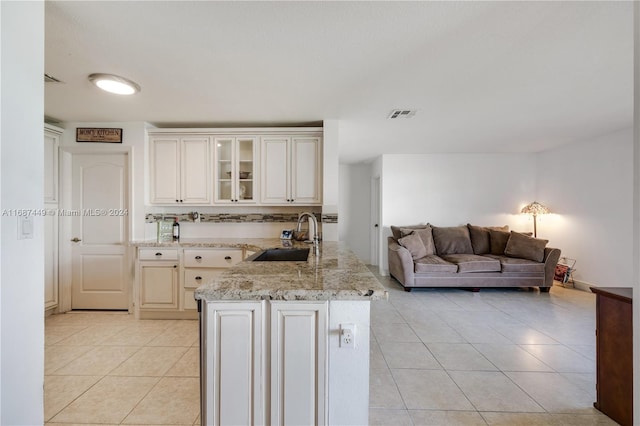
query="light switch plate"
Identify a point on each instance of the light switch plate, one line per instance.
(25, 227)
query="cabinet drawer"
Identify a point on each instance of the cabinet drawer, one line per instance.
(211, 258)
(158, 254)
(194, 278)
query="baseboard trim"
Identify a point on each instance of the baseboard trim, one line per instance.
(576, 284)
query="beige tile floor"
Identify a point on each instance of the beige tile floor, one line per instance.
(497, 357)
(438, 357)
(108, 368)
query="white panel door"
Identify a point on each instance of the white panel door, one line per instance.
(195, 171)
(275, 170)
(298, 363)
(306, 170)
(234, 392)
(99, 232)
(164, 169)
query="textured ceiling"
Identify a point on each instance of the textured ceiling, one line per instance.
(484, 76)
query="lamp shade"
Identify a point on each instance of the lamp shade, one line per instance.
(535, 209)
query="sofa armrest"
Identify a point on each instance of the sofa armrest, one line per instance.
(551, 257)
(400, 263)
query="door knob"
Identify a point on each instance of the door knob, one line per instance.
(76, 239)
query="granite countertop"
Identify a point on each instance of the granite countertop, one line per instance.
(254, 244)
(335, 274)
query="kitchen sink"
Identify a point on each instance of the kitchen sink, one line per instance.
(282, 254)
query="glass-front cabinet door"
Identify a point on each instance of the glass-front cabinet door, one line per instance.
(235, 170)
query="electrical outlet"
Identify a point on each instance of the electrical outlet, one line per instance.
(347, 335)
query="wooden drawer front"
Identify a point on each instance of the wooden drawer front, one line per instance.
(158, 254)
(212, 258)
(191, 276)
(189, 301)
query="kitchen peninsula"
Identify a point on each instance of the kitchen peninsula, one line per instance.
(282, 342)
(287, 342)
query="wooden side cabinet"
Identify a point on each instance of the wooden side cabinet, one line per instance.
(614, 353)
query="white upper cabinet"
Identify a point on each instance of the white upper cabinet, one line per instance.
(291, 170)
(180, 170)
(235, 171)
(51, 144)
(244, 166)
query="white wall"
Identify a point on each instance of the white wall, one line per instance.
(330, 181)
(589, 184)
(354, 211)
(21, 177)
(456, 189)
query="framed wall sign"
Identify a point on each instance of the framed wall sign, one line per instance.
(91, 134)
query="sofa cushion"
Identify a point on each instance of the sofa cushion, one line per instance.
(402, 231)
(525, 247)
(514, 264)
(452, 240)
(473, 263)
(433, 263)
(426, 235)
(481, 239)
(414, 244)
(498, 241)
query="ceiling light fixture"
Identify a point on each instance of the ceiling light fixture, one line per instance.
(114, 84)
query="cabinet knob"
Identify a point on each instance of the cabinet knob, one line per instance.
(158, 254)
(176, 201)
(175, 266)
(76, 239)
(198, 278)
(227, 258)
(198, 257)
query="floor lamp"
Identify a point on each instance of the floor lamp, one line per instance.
(535, 209)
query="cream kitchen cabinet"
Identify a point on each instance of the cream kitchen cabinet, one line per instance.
(51, 144)
(167, 278)
(52, 137)
(253, 343)
(291, 170)
(158, 285)
(235, 170)
(180, 169)
(201, 265)
(233, 365)
(299, 343)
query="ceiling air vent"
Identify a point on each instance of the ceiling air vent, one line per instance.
(402, 113)
(51, 79)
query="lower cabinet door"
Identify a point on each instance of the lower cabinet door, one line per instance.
(298, 363)
(158, 285)
(233, 365)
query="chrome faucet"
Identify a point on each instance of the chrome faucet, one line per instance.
(313, 238)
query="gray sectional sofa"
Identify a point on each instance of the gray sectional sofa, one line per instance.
(470, 257)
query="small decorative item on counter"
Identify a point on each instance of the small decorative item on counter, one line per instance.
(300, 235)
(165, 231)
(176, 230)
(286, 234)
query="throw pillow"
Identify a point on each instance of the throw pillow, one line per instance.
(481, 239)
(426, 235)
(498, 241)
(524, 247)
(452, 240)
(402, 231)
(414, 244)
